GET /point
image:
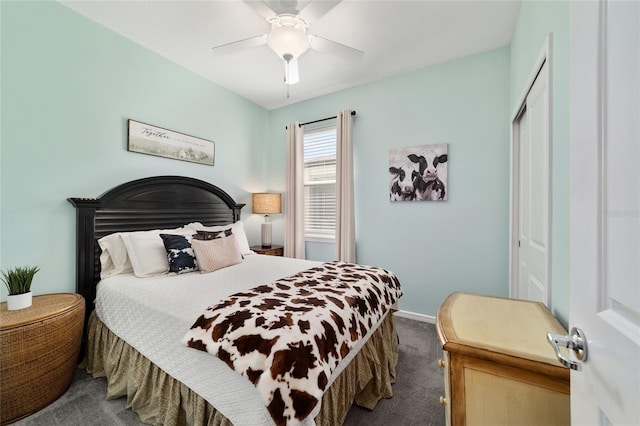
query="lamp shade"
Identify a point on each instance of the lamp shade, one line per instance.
(266, 203)
(288, 36)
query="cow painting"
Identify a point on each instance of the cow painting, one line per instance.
(418, 173)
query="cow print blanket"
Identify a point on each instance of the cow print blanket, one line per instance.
(289, 336)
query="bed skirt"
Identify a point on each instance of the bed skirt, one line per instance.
(159, 399)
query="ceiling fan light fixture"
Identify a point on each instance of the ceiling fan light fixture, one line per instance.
(288, 36)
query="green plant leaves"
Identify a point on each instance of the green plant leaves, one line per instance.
(18, 280)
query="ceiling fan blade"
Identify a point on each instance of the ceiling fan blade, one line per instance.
(324, 45)
(292, 7)
(291, 72)
(315, 9)
(262, 8)
(234, 46)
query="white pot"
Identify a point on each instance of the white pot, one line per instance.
(18, 301)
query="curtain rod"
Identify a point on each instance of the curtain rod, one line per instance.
(322, 119)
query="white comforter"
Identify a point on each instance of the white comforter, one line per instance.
(153, 314)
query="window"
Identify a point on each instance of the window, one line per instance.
(320, 183)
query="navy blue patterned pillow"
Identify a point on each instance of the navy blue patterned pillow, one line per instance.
(180, 253)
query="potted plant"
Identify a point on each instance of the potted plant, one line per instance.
(18, 281)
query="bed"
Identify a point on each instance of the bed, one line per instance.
(146, 333)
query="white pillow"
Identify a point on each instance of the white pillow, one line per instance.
(113, 259)
(217, 253)
(238, 231)
(146, 250)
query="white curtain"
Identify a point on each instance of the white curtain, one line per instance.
(345, 216)
(294, 195)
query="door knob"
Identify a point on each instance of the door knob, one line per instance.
(575, 341)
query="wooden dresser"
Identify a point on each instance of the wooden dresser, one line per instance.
(499, 368)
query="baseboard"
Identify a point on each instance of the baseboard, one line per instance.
(416, 317)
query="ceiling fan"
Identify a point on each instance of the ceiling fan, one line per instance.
(288, 36)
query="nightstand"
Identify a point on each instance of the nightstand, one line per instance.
(39, 349)
(499, 368)
(269, 251)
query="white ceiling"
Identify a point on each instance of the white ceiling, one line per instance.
(396, 37)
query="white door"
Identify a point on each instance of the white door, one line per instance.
(533, 251)
(605, 209)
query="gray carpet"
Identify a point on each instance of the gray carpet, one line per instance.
(418, 386)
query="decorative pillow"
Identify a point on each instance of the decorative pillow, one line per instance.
(237, 229)
(209, 235)
(217, 253)
(179, 253)
(113, 259)
(146, 250)
(193, 225)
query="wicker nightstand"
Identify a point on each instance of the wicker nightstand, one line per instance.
(39, 348)
(270, 251)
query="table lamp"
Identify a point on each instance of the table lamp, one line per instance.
(266, 204)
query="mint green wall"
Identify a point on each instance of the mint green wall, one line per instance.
(68, 87)
(536, 20)
(433, 247)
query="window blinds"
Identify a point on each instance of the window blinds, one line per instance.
(320, 183)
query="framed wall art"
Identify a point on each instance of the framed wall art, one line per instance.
(418, 173)
(153, 140)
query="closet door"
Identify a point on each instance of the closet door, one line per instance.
(534, 234)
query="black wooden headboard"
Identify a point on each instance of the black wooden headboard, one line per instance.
(158, 202)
